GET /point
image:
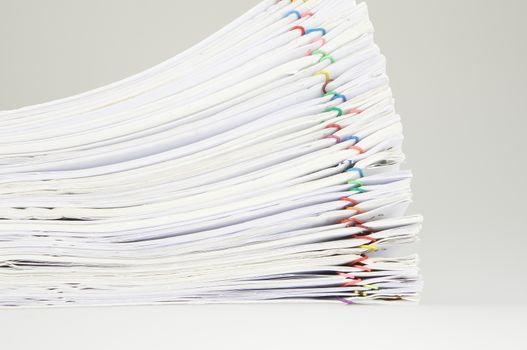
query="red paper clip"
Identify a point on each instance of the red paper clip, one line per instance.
(359, 260)
(369, 238)
(351, 220)
(352, 201)
(333, 137)
(353, 280)
(356, 110)
(324, 87)
(302, 29)
(357, 148)
(333, 126)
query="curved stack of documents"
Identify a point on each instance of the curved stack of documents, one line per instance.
(262, 164)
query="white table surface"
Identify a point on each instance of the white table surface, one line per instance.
(291, 326)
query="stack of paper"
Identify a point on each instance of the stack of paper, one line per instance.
(262, 164)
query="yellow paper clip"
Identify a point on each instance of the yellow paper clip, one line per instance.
(370, 247)
(324, 72)
(370, 286)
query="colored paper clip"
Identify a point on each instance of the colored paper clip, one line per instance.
(327, 57)
(351, 137)
(333, 137)
(355, 111)
(336, 109)
(351, 283)
(358, 236)
(300, 28)
(371, 286)
(307, 14)
(354, 221)
(351, 220)
(293, 12)
(347, 275)
(322, 53)
(351, 200)
(357, 189)
(313, 30)
(333, 126)
(368, 230)
(322, 39)
(359, 260)
(345, 301)
(336, 95)
(359, 170)
(357, 148)
(359, 263)
(363, 268)
(370, 247)
(358, 210)
(364, 235)
(324, 87)
(325, 73)
(353, 280)
(356, 183)
(366, 286)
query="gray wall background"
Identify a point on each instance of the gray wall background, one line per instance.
(458, 72)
